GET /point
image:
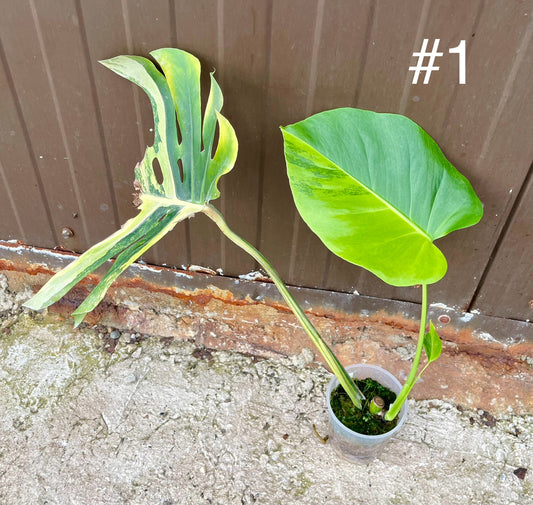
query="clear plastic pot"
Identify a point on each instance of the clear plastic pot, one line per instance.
(352, 445)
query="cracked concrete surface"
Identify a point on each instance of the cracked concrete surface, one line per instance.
(161, 422)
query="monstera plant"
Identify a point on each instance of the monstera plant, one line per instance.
(190, 175)
(374, 187)
(377, 191)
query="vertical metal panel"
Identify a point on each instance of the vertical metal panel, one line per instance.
(336, 66)
(390, 34)
(244, 76)
(198, 30)
(459, 117)
(80, 129)
(23, 207)
(124, 110)
(36, 113)
(395, 29)
(292, 41)
(64, 58)
(487, 135)
(507, 289)
(387, 87)
(58, 112)
(10, 219)
(114, 98)
(148, 27)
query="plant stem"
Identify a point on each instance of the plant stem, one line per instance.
(376, 405)
(412, 378)
(345, 380)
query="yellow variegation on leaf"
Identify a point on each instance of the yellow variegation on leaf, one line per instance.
(174, 93)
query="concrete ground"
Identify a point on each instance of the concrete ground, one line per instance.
(101, 416)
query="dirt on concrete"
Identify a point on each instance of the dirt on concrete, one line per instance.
(99, 415)
(478, 373)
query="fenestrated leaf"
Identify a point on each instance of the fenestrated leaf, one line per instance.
(174, 95)
(378, 191)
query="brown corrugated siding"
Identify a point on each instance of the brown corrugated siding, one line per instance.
(71, 131)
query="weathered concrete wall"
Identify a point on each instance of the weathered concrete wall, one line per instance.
(475, 370)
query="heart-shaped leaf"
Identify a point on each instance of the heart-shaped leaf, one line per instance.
(174, 94)
(432, 344)
(378, 191)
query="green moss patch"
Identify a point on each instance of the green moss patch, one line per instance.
(362, 420)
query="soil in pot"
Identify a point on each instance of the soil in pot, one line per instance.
(362, 420)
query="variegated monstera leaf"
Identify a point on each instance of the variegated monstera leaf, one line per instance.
(190, 172)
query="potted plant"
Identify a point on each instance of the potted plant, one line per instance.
(190, 176)
(377, 191)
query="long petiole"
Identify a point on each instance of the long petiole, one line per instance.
(344, 379)
(413, 377)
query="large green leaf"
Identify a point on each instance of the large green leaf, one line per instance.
(378, 191)
(174, 94)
